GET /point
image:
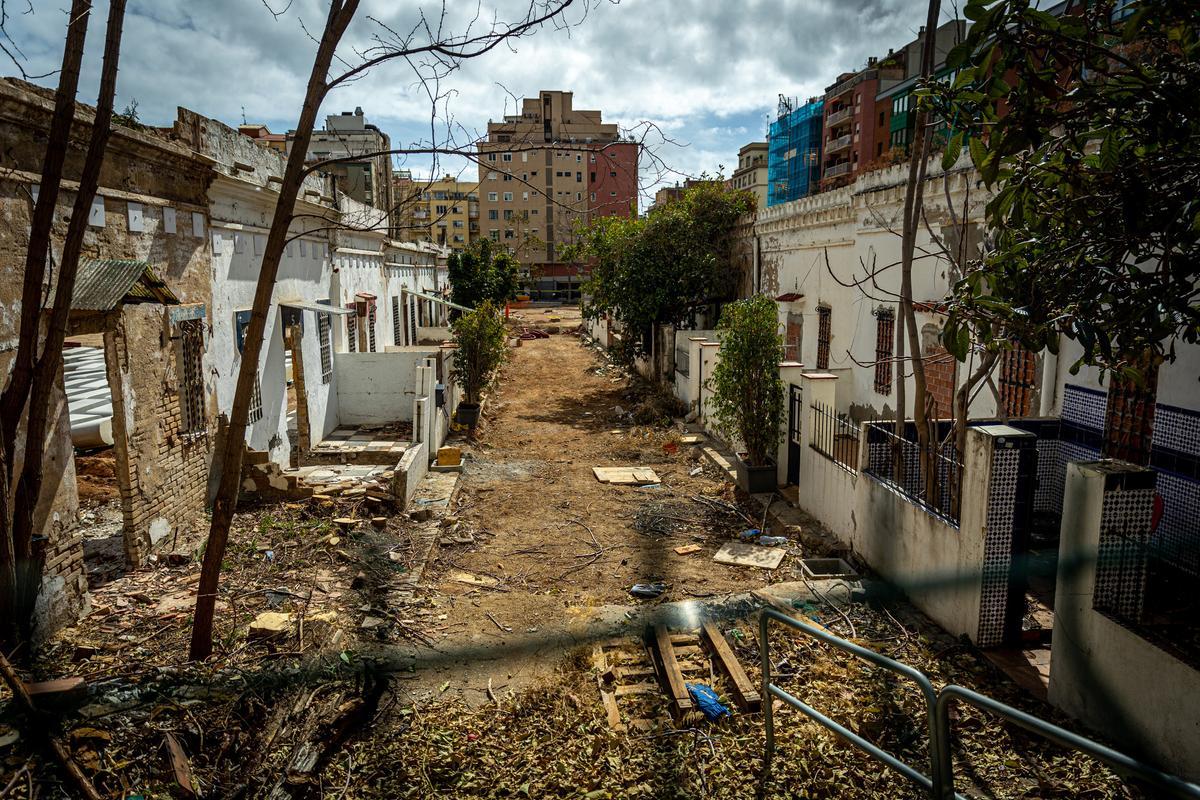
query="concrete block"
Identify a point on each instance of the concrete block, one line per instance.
(449, 456)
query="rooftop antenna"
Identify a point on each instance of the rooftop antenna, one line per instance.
(244, 116)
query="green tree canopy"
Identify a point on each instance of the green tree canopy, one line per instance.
(482, 272)
(663, 268)
(1085, 125)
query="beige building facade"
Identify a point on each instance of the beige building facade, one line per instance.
(751, 172)
(444, 211)
(548, 168)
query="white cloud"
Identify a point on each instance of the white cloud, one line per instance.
(708, 74)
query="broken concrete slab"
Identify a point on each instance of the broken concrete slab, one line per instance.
(740, 554)
(269, 624)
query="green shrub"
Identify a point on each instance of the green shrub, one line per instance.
(747, 390)
(482, 343)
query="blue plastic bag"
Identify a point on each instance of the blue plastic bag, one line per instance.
(707, 701)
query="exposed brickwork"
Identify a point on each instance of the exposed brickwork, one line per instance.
(939, 379)
(164, 472)
(293, 343)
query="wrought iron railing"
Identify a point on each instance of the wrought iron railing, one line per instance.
(835, 438)
(932, 480)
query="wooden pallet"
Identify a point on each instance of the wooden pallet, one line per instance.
(631, 673)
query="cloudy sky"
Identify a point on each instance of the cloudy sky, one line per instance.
(707, 73)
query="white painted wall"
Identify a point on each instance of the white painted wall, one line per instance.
(815, 245)
(1102, 672)
(375, 388)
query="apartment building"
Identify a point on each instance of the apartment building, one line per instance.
(444, 211)
(855, 133)
(263, 136)
(751, 172)
(898, 100)
(367, 178)
(545, 170)
(794, 150)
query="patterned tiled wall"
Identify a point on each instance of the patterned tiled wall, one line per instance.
(997, 547)
(1121, 554)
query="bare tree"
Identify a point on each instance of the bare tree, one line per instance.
(31, 384)
(906, 331)
(433, 53)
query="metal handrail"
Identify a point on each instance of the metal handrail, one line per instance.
(933, 785)
(1119, 762)
(941, 785)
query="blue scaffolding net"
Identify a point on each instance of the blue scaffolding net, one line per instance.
(794, 155)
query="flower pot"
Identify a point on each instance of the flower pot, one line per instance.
(468, 414)
(756, 480)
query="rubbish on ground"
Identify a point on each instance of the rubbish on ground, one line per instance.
(750, 534)
(696, 471)
(625, 476)
(827, 568)
(707, 701)
(647, 590)
(370, 623)
(740, 554)
(772, 541)
(57, 693)
(180, 766)
(744, 694)
(691, 438)
(683, 550)
(670, 448)
(473, 580)
(269, 624)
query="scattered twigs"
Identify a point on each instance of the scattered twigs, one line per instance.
(57, 746)
(497, 623)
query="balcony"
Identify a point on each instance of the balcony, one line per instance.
(839, 116)
(837, 169)
(838, 144)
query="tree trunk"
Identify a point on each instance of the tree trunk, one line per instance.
(12, 402)
(29, 485)
(16, 393)
(914, 198)
(230, 455)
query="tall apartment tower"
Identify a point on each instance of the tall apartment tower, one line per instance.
(543, 171)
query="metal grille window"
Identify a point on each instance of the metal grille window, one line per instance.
(371, 328)
(352, 332)
(824, 334)
(256, 405)
(397, 322)
(1129, 420)
(885, 337)
(323, 325)
(1017, 381)
(191, 377)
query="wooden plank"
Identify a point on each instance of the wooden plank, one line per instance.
(671, 673)
(636, 688)
(744, 693)
(683, 638)
(607, 699)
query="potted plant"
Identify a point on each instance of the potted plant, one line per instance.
(482, 344)
(747, 389)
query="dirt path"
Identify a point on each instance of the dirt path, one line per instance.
(559, 545)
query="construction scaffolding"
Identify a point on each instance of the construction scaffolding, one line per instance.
(794, 156)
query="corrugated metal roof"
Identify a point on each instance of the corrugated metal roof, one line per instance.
(103, 284)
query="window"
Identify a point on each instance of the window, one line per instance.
(323, 324)
(824, 334)
(508, 177)
(578, 157)
(881, 122)
(579, 177)
(593, 158)
(352, 331)
(1129, 418)
(579, 195)
(524, 195)
(612, 194)
(508, 197)
(524, 156)
(491, 176)
(593, 197)
(612, 174)
(508, 213)
(491, 156)
(508, 234)
(593, 176)
(885, 337)
(494, 234)
(493, 214)
(256, 411)
(440, 209)
(191, 377)
(397, 327)
(1017, 381)
(506, 157)
(492, 197)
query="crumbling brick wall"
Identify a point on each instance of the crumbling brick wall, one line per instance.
(164, 470)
